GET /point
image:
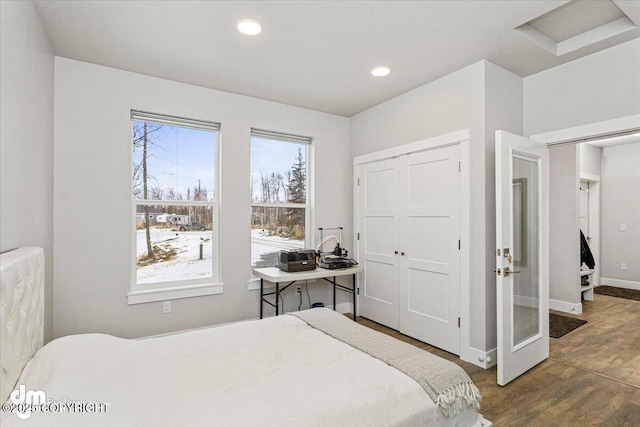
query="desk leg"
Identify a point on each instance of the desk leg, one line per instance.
(334, 293)
(261, 295)
(354, 298)
(277, 297)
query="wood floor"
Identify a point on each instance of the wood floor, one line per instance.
(592, 377)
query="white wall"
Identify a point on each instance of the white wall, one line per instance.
(590, 159)
(503, 111)
(26, 141)
(92, 174)
(449, 104)
(620, 204)
(483, 98)
(598, 87)
(564, 226)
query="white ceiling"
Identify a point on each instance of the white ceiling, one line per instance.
(575, 18)
(313, 54)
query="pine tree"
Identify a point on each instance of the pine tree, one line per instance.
(297, 194)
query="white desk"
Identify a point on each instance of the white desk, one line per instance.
(277, 276)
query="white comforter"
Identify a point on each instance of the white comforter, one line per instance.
(273, 372)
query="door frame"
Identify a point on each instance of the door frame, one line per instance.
(620, 126)
(599, 130)
(463, 139)
(593, 209)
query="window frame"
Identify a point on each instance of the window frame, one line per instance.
(307, 206)
(163, 291)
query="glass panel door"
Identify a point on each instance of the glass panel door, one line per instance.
(522, 254)
(525, 253)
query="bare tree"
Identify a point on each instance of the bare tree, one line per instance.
(284, 181)
(141, 133)
(251, 188)
(271, 188)
(141, 176)
(157, 193)
(145, 179)
(170, 194)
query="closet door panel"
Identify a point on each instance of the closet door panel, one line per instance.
(429, 250)
(428, 294)
(380, 275)
(429, 231)
(379, 191)
(423, 178)
(378, 224)
(378, 244)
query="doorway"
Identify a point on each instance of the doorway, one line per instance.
(577, 165)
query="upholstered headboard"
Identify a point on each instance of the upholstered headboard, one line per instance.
(21, 313)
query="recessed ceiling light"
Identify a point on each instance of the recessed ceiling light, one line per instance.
(249, 27)
(380, 71)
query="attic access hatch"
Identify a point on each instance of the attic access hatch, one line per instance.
(581, 23)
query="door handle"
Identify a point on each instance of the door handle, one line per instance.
(507, 272)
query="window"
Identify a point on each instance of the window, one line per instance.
(280, 213)
(174, 194)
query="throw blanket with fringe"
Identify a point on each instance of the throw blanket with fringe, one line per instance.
(446, 383)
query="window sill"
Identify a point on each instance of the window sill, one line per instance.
(177, 292)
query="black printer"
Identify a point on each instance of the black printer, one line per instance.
(297, 260)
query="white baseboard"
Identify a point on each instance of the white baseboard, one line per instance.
(483, 359)
(627, 284)
(166, 334)
(344, 307)
(485, 422)
(564, 306)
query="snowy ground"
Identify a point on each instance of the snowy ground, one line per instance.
(186, 265)
(265, 249)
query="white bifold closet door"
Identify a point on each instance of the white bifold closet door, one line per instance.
(378, 244)
(409, 219)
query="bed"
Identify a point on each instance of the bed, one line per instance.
(309, 368)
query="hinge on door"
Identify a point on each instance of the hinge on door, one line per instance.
(459, 244)
(458, 322)
(459, 167)
(358, 236)
(358, 291)
(358, 181)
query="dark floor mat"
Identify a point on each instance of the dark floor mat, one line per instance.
(562, 325)
(618, 292)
